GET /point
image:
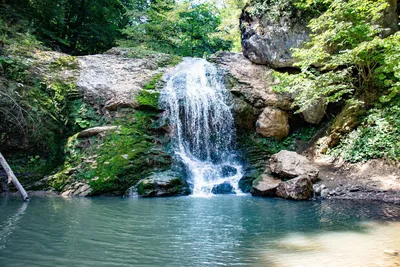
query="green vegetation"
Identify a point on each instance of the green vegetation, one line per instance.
(176, 27)
(271, 146)
(378, 136)
(351, 55)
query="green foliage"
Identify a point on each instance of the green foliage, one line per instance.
(74, 26)
(275, 10)
(229, 28)
(344, 41)
(177, 27)
(84, 116)
(378, 136)
(348, 56)
(272, 146)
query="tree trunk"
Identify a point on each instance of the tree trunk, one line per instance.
(12, 178)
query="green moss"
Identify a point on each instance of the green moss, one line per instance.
(149, 96)
(65, 63)
(58, 180)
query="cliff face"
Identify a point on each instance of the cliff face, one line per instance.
(268, 40)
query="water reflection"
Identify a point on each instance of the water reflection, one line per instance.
(9, 225)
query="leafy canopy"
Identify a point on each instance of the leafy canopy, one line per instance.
(176, 27)
(345, 54)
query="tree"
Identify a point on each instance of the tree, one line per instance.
(346, 54)
(181, 28)
(75, 26)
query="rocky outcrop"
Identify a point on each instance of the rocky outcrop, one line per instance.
(162, 184)
(224, 188)
(269, 41)
(299, 188)
(273, 122)
(288, 164)
(251, 82)
(292, 177)
(251, 85)
(265, 186)
(113, 80)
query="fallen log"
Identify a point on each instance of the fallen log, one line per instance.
(12, 178)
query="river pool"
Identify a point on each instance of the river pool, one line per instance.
(190, 231)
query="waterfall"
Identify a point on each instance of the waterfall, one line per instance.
(198, 108)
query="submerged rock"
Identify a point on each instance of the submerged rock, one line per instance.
(265, 186)
(288, 164)
(224, 188)
(163, 184)
(297, 189)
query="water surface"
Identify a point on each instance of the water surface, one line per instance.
(190, 231)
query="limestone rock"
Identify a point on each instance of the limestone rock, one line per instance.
(299, 188)
(95, 131)
(273, 122)
(269, 41)
(162, 184)
(77, 189)
(250, 81)
(116, 78)
(265, 186)
(224, 188)
(288, 164)
(315, 113)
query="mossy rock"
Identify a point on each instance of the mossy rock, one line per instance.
(163, 184)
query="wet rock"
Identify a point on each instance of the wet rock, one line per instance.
(265, 186)
(273, 122)
(77, 189)
(224, 188)
(288, 164)
(297, 189)
(246, 182)
(228, 171)
(163, 184)
(317, 189)
(324, 193)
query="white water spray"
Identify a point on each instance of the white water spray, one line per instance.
(198, 107)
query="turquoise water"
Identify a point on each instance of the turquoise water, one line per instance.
(184, 231)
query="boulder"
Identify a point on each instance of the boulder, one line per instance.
(224, 188)
(315, 113)
(273, 122)
(288, 164)
(270, 41)
(265, 186)
(299, 188)
(163, 184)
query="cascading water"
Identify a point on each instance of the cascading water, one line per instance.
(198, 107)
